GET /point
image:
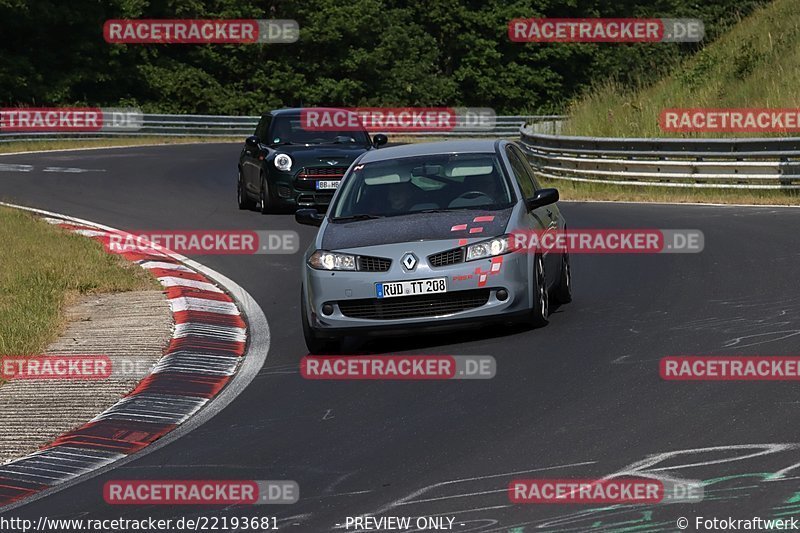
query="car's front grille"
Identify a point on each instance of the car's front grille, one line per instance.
(373, 264)
(448, 257)
(414, 306)
(321, 172)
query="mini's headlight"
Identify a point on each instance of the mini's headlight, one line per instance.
(283, 162)
(322, 260)
(493, 247)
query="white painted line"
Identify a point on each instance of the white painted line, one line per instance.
(15, 168)
(183, 303)
(229, 333)
(70, 170)
(90, 233)
(170, 281)
(164, 266)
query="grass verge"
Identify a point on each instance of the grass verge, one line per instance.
(755, 64)
(42, 269)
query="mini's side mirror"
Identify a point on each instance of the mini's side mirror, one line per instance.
(379, 140)
(542, 198)
(309, 217)
(252, 141)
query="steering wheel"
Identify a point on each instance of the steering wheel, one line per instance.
(472, 195)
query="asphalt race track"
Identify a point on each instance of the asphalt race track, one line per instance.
(580, 398)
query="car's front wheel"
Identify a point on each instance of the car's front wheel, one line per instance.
(241, 194)
(316, 345)
(541, 298)
(265, 199)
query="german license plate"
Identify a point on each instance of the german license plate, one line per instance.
(391, 289)
(327, 184)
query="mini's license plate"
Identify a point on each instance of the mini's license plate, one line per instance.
(411, 288)
(327, 184)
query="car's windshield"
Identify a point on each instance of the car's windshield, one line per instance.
(288, 129)
(423, 184)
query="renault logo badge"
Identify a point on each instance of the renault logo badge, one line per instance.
(409, 261)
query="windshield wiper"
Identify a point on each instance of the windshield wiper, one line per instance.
(362, 216)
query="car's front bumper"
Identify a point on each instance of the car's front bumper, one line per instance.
(290, 190)
(355, 306)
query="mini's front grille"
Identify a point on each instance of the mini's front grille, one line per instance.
(414, 306)
(449, 257)
(373, 264)
(322, 172)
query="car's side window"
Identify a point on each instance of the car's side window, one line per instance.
(528, 168)
(262, 130)
(520, 173)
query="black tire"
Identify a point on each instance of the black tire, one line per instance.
(245, 202)
(266, 202)
(563, 293)
(316, 345)
(541, 300)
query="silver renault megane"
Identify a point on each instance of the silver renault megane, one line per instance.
(420, 236)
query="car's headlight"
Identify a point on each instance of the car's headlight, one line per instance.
(283, 162)
(322, 260)
(493, 247)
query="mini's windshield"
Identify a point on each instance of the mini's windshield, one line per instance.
(288, 129)
(423, 184)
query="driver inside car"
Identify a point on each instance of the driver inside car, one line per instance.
(399, 196)
(483, 188)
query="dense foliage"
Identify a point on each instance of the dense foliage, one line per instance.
(350, 53)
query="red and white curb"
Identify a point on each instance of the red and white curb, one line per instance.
(208, 347)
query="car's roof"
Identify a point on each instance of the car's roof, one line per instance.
(443, 147)
(290, 111)
(285, 111)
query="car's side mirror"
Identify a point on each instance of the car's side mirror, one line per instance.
(542, 198)
(252, 141)
(379, 140)
(309, 217)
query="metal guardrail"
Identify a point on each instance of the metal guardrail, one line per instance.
(236, 126)
(768, 163)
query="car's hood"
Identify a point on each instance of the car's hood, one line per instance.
(335, 155)
(460, 224)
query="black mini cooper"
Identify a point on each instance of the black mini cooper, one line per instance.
(284, 166)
